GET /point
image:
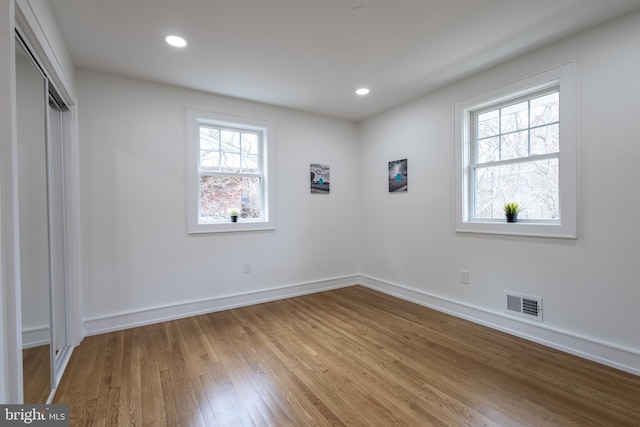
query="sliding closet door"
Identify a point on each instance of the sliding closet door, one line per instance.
(57, 230)
(31, 103)
(41, 194)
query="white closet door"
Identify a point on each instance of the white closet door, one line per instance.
(56, 228)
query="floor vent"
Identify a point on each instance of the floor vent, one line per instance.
(523, 305)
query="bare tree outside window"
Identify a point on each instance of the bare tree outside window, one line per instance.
(516, 158)
(230, 176)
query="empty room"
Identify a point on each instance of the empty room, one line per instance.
(463, 253)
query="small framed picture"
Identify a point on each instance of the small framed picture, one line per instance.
(398, 176)
(320, 178)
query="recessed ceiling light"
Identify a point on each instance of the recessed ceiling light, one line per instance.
(175, 41)
(359, 13)
(362, 91)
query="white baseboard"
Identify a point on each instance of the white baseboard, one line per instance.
(177, 311)
(35, 337)
(607, 354)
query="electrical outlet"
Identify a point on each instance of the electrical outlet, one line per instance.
(248, 267)
(464, 277)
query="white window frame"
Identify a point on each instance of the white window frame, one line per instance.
(562, 77)
(197, 117)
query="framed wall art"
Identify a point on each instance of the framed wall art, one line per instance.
(398, 176)
(320, 178)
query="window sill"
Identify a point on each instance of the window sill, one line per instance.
(230, 227)
(520, 228)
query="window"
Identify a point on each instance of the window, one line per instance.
(517, 144)
(514, 157)
(229, 164)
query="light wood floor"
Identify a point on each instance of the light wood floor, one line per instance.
(349, 357)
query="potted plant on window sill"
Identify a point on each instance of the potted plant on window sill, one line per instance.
(234, 215)
(511, 211)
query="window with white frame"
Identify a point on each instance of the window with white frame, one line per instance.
(229, 160)
(517, 144)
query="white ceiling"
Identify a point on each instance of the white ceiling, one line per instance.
(312, 54)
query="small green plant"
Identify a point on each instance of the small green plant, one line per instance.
(511, 208)
(234, 212)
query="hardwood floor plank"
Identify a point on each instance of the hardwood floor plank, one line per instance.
(104, 371)
(152, 410)
(352, 357)
(113, 404)
(167, 398)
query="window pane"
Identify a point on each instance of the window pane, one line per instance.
(515, 145)
(533, 185)
(545, 109)
(488, 124)
(209, 160)
(249, 143)
(489, 150)
(515, 117)
(250, 164)
(209, 138)
(220, 194)
(545, 139)
(230, 140)
(230, 162)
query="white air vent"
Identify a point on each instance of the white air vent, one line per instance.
(523, 305)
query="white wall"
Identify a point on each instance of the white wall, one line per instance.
(590, 286)
(137, 254)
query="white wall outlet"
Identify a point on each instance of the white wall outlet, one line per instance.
(248, 267)
(464, 277)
